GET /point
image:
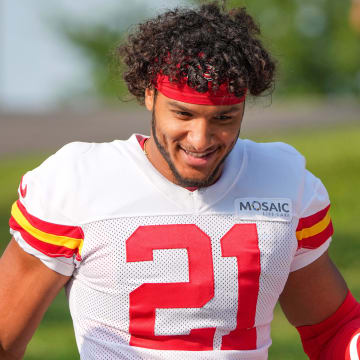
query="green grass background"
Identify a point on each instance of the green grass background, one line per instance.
(333, 154)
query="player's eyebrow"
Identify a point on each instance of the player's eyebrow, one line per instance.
(180, 107)
(230, 110)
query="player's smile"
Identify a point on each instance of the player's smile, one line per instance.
(197, 159)
(190, 142)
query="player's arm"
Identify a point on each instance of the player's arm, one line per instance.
(317, 301)
(27, 287)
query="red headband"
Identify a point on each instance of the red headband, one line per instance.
(182, 92)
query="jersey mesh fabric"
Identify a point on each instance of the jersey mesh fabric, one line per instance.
(99, 296)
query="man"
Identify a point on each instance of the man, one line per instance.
(178, 246)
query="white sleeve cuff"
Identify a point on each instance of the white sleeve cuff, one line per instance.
(308, 256)
(62, 265)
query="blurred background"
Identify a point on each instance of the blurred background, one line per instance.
(59, 83)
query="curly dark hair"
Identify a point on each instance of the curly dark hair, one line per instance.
(188, 42)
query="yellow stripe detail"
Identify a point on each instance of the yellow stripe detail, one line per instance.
(81, 246)
(68, 242)
(315, 229)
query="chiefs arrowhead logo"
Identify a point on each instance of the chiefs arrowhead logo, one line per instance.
(23, 189)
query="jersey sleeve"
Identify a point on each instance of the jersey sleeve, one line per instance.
(314, 229)
(41, 221)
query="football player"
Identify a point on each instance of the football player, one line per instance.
(178, 245)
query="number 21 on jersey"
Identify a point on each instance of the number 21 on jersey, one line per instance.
(240, 242)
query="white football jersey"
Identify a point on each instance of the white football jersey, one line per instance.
(161, 272)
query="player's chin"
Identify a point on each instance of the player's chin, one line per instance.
(197, 177)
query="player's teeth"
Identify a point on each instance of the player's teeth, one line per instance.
(195, 154)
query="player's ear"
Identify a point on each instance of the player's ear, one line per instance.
(149, 98)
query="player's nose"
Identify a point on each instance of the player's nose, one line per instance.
(200, 134)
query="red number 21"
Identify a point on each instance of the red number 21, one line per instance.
(241, 241)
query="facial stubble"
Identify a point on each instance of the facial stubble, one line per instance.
(179, 179)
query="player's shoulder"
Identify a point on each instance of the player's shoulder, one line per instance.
(275, 158)
(271, 171)
(79, 162)
(75, 148)
(280, 167)
(75, 151)
(63, 180)
(279, 151)
(79, 157)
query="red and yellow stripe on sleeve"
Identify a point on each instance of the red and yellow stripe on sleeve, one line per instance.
(312, 231)
(51, 239)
